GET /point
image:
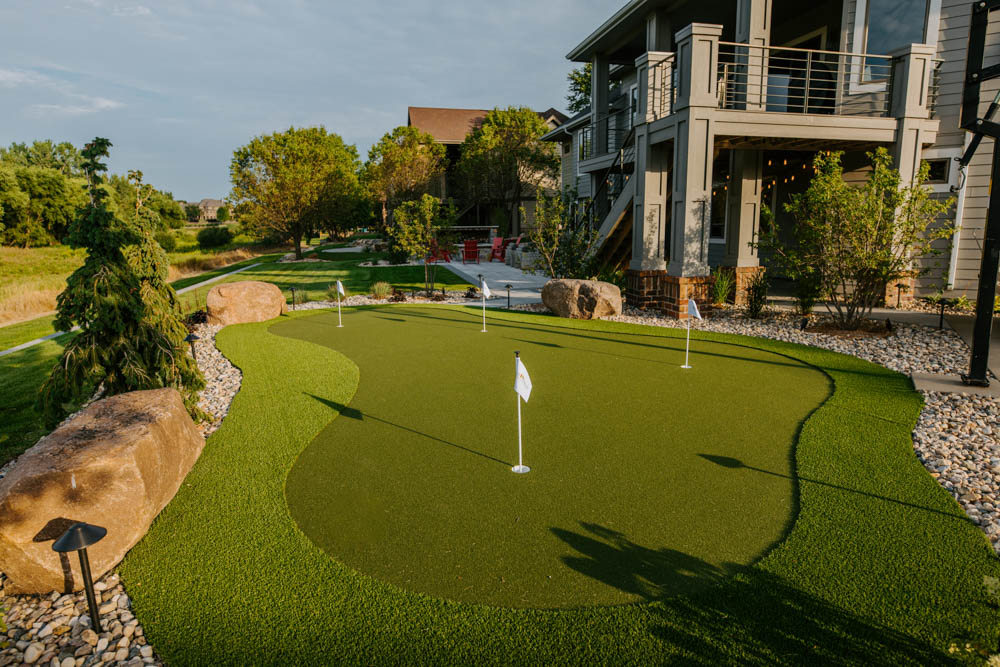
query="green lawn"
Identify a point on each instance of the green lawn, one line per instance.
(878, 565)
(311, 280)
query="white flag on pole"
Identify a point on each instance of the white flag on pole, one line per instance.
(340, 289)
(522, 383)
(693, 309)
(486, 289)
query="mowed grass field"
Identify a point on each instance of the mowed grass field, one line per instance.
(873, 563)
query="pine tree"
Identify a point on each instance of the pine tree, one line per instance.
(131, 334)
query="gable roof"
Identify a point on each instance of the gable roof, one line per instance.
(447, 126)
(210, 202)
(452, 126)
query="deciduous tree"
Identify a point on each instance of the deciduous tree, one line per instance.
(504, 158)
(293, 181)
(131, 335)
(420, 226)
(578, 97)
(402, 166)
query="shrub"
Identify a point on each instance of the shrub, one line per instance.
(331, 292)
(381, 290)
(398, 296)
(807, 291)
(222, 214)
(166, 241)
(756, 296)
(963, 303)
(398, 255)
(722, 287)
(214, 237)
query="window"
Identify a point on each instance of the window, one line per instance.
(585, 145)
(720, 198)
(889, 25)
(939, 170)
(633, 104)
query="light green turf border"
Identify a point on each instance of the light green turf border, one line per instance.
(881, 565)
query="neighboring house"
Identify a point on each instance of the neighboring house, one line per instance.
(450, 127)
(210, 208)
(702, 112)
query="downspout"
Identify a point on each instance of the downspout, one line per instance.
(956, 239)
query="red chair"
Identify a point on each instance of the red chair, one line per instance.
(470, 251)
(499, 246)
(437, 253)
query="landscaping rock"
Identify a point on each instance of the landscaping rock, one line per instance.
(246, 301)
(116, 464)
(582, 299)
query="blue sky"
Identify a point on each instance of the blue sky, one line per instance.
(178, 85)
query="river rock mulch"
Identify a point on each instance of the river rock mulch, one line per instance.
(55, 630)
(957, 436)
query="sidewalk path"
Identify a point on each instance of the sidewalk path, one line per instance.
(525, 287)
(31, 343)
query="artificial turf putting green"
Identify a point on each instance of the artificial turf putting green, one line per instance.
(414, 487)
(880, 566)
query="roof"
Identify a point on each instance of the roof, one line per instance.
(210, 202)
(564, 131)
(452, 126)
(447, 126)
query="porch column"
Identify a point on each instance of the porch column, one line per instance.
(599, 103)
(659, 31)
(743, 218)
(697, 101)
(913, 68)
(753, 27)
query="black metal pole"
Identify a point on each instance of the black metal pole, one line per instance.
(983, 328)
(941, 316)
(88, 585)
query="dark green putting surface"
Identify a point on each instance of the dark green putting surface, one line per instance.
(632, 493)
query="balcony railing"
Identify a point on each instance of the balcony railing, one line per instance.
(614, 127)
(788, 80)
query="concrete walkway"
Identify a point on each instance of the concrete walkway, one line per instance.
(31, 343)
(525, 287)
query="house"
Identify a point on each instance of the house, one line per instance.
(210, 208)
(450, 127)
(703, 112)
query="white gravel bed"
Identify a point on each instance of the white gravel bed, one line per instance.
(363, 300)
(222, 379)
(55, 629)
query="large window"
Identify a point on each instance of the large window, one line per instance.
(889, 25)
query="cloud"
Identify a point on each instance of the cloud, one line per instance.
(78, 103)
(131, 10)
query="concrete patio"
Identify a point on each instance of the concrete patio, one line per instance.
(525, 287)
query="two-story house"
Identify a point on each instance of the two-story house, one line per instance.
(702, 112)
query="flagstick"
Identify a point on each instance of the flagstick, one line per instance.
(687, 346)
(484, 316)
(340, 321)
(520, 467)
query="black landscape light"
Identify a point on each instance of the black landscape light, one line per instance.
(293, 297)
(888, 325)
(508, 286)
(803, 324)
(899, 293)
(78, 537)
(941, 316)
(190, 339)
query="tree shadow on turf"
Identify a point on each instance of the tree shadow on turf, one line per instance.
(736, 464)
(732, 614)
(651, 574)
(354, 413)
(756, 617)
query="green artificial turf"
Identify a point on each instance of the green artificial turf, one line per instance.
(423, 459)
(879, 567)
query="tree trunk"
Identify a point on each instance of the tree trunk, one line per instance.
(297, 239)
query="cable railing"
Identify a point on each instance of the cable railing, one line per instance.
(610, 185)
(662, 93)
(934, 88)
(615, 126)
(789, 80)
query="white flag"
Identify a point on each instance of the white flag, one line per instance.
(487, 293)
(522, 383)
(340, 289)
(693, 309)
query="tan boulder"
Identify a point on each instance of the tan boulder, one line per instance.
(582, 299)
(245, 301)
(116, 465)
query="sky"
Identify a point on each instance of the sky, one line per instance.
(178, 85)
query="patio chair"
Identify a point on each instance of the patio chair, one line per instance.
(499, 246)
(470, 251)
(438, 253)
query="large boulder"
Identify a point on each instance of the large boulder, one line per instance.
(116, 465)
(245, 301)
(582, 299)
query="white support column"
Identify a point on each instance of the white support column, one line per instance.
(912, 71)
(753, 27)
(697, 100)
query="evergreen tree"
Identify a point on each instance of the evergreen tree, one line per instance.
(131, 334)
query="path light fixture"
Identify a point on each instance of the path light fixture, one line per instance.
(508, 286)
(190, 339)
(293, 297)
(803, 324)
(941, 316)
(899, 293)
(77, 538)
